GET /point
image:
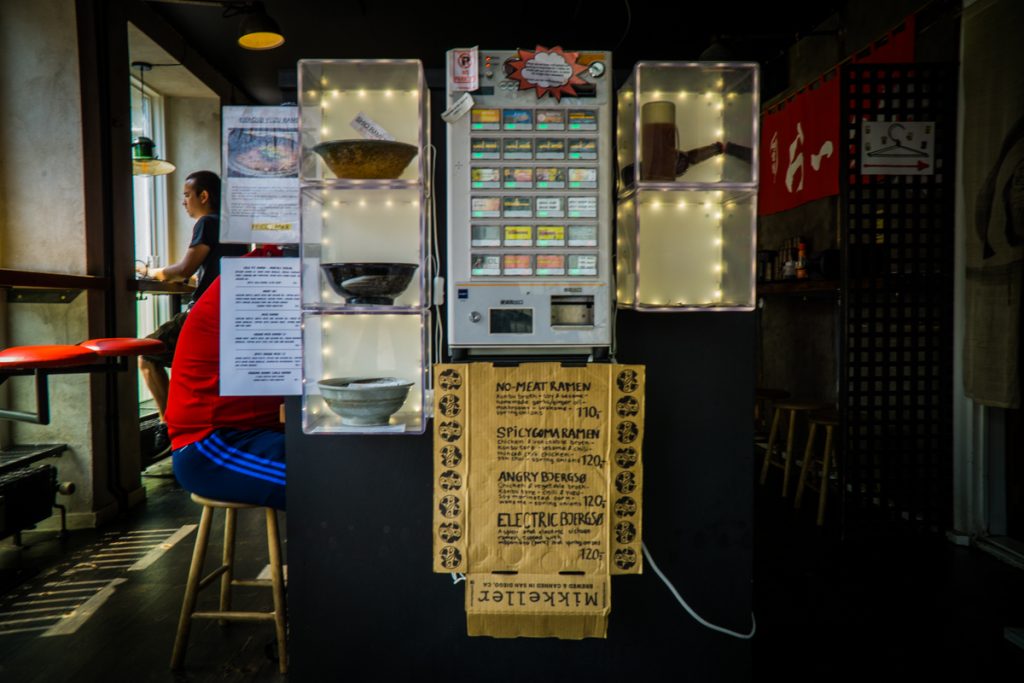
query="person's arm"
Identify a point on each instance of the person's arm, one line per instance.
(183, 269)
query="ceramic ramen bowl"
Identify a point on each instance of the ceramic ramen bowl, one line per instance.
(366, 159)
(369, 283)
(364, 401)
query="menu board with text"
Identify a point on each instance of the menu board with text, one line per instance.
(537, 473)
(260, 327)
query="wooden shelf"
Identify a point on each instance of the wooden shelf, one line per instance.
(159, 286)
(32, 278)
(797, 287)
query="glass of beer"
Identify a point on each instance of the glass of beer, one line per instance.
(658, 151)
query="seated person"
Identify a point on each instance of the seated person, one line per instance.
(225, 447)
(201, 194)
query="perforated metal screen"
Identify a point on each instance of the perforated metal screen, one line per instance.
(896, 402)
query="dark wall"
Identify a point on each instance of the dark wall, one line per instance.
(360, 529)
(359, 537)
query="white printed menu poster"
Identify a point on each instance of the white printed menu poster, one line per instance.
(260, 174)
(260, 327)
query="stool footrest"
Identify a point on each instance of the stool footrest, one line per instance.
(216, 574)
(236, 616)
(212, 576)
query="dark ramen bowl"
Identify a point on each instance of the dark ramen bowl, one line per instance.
(369, 283)
(366, 159)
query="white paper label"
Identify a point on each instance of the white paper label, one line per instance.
(369, 129)
(260, 327)
(260, 152)
(892, 148)
(465, 77)
(459, 108)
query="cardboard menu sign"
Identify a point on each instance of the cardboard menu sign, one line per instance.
(537, 492)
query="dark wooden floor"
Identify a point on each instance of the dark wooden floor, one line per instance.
(896, 609)
(129, 637)
(825, 611)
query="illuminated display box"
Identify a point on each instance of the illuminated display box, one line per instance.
(351, 99)
(687, 187)
(686, 250)
(371, 345)
(365, 244)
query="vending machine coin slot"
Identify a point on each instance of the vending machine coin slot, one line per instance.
(572, 311)
(511, 321)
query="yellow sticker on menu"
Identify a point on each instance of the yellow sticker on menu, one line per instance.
(486, 116)
(550, 235)
(518, 233)
(485, 148)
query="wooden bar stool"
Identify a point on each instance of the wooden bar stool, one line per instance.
(763, 396)
(226, 573)
(829, 420)
(792, 406)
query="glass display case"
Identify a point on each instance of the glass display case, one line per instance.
(687, 186)
(685, 249)
(362, 226)
(365, 245)
(352, 100)
(343, 345)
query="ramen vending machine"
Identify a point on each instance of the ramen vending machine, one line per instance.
(530, 188)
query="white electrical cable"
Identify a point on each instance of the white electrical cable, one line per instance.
(629, 23)
(734, 634)
(613, 347)
(437, 351)
(457, 578)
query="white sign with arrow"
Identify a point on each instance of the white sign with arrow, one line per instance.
(897, 148)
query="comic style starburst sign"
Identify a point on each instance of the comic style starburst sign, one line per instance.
(550, 72)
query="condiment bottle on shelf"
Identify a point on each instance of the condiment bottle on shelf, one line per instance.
(801, 262)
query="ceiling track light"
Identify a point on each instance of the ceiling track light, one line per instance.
(257, 31)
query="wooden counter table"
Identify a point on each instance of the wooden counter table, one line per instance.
(174, 289)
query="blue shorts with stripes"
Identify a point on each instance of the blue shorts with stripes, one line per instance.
(246, 466)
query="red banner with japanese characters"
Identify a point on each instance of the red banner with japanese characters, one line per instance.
(800, 148)
(800, 135)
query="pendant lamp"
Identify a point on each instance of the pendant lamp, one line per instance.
(144, 159)
(258, 31)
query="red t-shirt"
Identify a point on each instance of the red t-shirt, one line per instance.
(195, 407)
